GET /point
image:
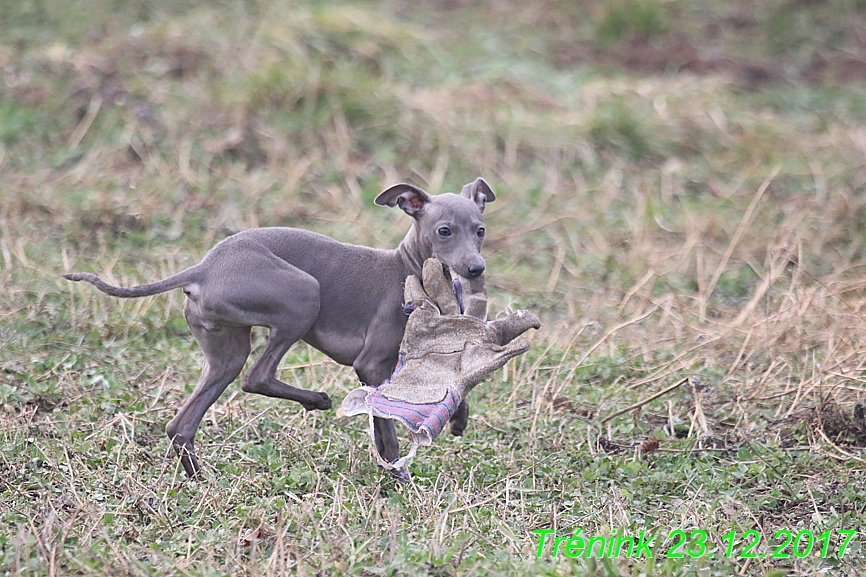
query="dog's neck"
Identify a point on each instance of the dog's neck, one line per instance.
(413, 253)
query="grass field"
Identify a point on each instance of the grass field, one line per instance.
(681, 199)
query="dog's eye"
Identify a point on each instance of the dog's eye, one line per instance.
(444, 231)
(480, 233)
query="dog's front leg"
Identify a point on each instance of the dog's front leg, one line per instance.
(387, 443)
(374, 365)
(460, 419)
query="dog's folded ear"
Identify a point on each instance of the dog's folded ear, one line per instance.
(478, 192)
(409, 198)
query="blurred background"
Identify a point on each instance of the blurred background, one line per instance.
(715, 146)
(703, 160)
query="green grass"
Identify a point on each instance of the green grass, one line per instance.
(680, 198)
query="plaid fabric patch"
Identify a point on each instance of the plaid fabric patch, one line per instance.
(430, 418)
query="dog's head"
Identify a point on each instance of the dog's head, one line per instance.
(447, 226)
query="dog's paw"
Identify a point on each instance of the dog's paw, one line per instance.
(400, 475)
(322, 403)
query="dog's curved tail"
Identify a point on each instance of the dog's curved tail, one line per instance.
(181, 279)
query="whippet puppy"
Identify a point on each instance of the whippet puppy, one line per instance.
(342, 299)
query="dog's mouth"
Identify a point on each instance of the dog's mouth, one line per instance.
(457, 285)
(447, 270)
(458, 293)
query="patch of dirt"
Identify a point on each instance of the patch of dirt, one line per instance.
(845, 428)
(681, 54)
(41, 404)
(710, 48)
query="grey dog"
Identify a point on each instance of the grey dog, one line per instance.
(342, 299)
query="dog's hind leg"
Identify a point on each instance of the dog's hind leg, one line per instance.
(220, 315)
(226, 348)
(289, 310)
(261, 378)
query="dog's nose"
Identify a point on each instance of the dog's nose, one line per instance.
(476, 270)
